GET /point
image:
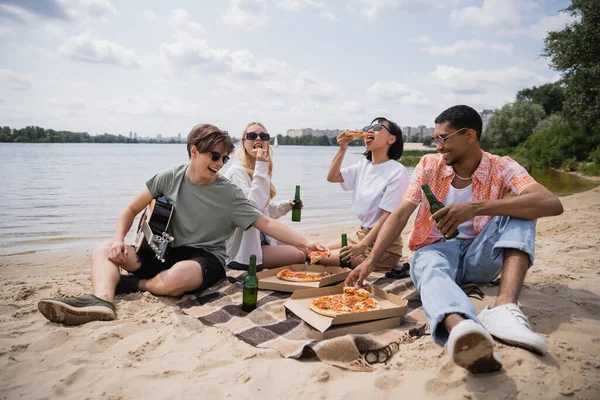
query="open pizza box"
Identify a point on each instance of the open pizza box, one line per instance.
(267, 279)
(393, 308)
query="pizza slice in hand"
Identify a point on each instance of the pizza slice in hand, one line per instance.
(316, 256)
(356, 134)
(352, 295)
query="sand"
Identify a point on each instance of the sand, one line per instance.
(155, 351)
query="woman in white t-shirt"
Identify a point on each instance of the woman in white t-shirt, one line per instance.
(378, 183)
(252, 173)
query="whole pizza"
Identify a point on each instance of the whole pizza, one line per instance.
(301, 276)
(352, 300)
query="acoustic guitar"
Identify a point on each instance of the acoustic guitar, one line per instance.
(152, 228)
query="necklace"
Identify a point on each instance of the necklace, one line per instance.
(461, 178)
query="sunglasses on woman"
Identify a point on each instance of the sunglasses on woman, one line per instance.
(262, 135)
(215, 157)
(375, 128)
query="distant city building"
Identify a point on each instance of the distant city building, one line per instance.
(314, 132)
(420, 132)
(485, 117)
(130, 135)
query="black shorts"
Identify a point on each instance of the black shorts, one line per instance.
(212, 269)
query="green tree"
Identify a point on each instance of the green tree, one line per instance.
(512, 125)
(575, 52)
(550, 96)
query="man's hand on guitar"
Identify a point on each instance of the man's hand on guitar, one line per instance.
(118, 252)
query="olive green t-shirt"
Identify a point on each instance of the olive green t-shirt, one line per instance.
(204, 216)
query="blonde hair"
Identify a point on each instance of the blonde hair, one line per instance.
(248, 162)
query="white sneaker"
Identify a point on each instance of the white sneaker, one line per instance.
(472, 347)
(507, 323)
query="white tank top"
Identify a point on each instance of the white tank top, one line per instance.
(455, 196)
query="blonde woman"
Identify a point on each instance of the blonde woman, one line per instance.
(252, 173)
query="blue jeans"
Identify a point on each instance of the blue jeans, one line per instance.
(439, 269)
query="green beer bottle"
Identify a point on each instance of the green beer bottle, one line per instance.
(250, 292)
(435, 205)
(297, 207)
(344, 264)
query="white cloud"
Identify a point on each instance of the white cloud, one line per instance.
(373, 8)
(465, 47)
(6, 30)
(422, 39)
(155, 107)
(149, 14)
(493, 14)
(67, 104)
(292, 5)
(352, 107)
(277, 88)
(540, 29)
(314, 87)
(327, 16)
(95, 8)
(246, 14)
(396, 92)
(15, 13)
(471, 82)
(55, 30)
(14, 80)
(245, 64)
(180, 18)
(85, 48)
(188, 52)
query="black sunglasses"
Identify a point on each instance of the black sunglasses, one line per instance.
(263, 136)
(375, 128)
(215, 157)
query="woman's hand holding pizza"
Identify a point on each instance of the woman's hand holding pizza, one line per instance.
(343, 140)
(260, 154)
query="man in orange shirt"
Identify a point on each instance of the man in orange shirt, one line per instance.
(496, 235)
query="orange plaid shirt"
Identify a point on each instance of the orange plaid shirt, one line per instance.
(494, 178)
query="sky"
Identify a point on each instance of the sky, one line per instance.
(161, 67)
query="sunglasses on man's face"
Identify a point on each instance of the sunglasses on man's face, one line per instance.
(262, 135)
(215, 157)
(375, 128)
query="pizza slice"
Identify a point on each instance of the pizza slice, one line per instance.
(316, 256)
(301, 276)
(356, 134)
(352, 295)
(368, 304)
(329, 306)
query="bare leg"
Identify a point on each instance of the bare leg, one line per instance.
(278, 256)
(336, 244)
(515, 267)
(333, 260)
(105, 273)
(182, 277)
(451, 320)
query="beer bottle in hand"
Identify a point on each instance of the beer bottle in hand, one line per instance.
(297, 207)
(434, 206)
(344, 264)
(250, 292)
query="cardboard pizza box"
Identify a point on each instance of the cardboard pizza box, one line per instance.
(267, 279)
(393, 308)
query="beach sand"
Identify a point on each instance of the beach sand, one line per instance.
(153, 350)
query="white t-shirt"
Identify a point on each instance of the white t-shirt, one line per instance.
(455, 196)
(377, 188)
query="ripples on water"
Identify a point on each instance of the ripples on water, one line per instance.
(58, 196)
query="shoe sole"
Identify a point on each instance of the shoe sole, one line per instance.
(59, 312)
(475, 352)
(520, 345)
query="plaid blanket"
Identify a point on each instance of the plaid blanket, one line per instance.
(271, 325)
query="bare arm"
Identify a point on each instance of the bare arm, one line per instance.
(118, 250)
(390, 230)
(534, 202)
(335, 175)
(283, 233)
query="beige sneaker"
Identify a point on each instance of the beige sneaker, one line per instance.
(470, 346)
(77, 310)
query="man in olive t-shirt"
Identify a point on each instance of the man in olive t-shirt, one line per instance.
(207, 207)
